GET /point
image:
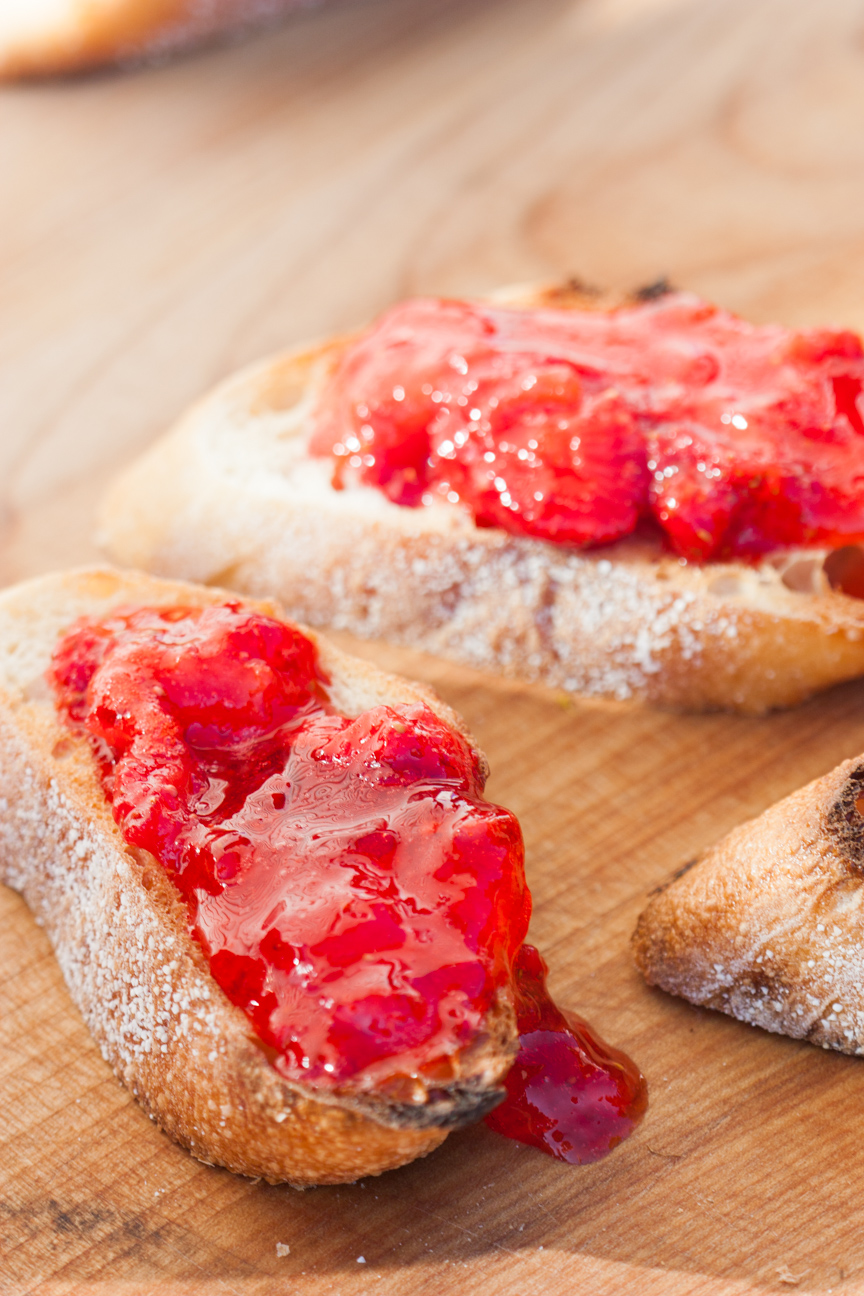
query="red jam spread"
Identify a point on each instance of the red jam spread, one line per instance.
(575, 425)
(354, 893)
(568, 1093)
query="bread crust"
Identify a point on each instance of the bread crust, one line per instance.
(230, 496)
(119, 930)
(91, 33)
(768, 925)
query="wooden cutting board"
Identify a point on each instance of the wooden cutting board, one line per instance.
(163, 227)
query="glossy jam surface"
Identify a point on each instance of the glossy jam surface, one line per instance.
(572, 425)
(568, 1093)
(354, 893)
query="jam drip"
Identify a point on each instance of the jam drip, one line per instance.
(568, 1093)
(355, 894)
(573, 426)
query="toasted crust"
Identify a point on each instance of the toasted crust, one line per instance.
(230, 496)
(768, 925)
(120, 934)
(80, 34)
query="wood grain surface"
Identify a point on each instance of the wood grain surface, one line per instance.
(161, 228)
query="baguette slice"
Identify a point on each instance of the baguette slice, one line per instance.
(119, 929)
(40, 37)
(768, 925)
(231, 496)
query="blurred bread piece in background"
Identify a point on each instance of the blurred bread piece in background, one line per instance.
(42, 37)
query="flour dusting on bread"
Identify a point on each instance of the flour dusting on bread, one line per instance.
(768, 925)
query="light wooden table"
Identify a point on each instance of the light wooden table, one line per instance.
(161, 228)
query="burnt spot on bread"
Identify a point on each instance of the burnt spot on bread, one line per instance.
(679, 873)
(451, 1107)
(653, 291)
(759, 980)
(572, 286)
(845, 821)
(472, 1089)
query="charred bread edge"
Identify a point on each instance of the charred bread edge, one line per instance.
(119, 932)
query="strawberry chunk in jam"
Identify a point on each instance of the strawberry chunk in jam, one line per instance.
(571, 425)
(355, 894)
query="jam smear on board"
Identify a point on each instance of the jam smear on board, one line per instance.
(575, 425)
(568, 1093)
(354, 893)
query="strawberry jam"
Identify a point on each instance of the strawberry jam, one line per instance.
(354, 893)
(568, 1093)
(573, 425)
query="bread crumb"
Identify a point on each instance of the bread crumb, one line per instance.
(282, 1249)
(785, 1275)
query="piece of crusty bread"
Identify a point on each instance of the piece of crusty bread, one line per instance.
(119, 928)
(230, 496)
(71, 35)
(768, 925)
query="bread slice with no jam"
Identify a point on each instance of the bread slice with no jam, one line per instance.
(231, 496)
(768, 925)
(120, 931)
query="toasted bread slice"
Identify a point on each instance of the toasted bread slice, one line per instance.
(231, 496)
(120, 930)
(37, 39)
(768, 925)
